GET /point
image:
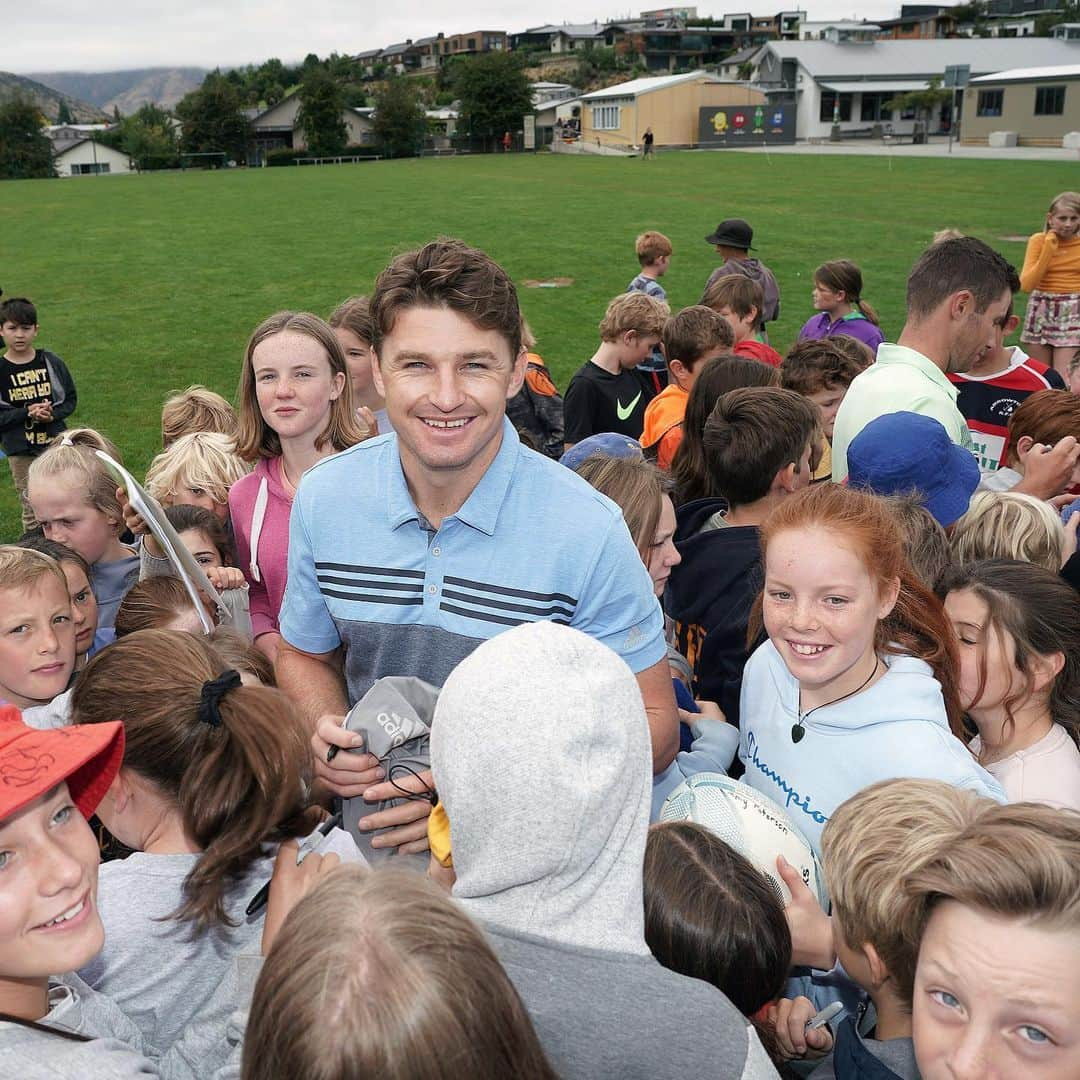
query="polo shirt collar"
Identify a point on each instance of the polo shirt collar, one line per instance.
(901, 354)
(481, 509)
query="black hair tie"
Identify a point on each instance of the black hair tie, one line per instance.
(213, 690)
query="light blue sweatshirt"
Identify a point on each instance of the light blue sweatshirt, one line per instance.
(897, 728)
(713, 750)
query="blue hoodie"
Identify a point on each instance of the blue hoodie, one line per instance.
(897, 728)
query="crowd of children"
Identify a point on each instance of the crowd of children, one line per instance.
(892, 662)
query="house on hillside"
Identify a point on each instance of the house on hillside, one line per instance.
(670, 104)
(88, 157)
(276, 128)
(1039, 105)
(854, 83)
(919, 22)
(839, 32)
(64, 135)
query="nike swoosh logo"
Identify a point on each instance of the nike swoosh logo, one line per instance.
(623, 412)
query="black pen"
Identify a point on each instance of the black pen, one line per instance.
(258, 901)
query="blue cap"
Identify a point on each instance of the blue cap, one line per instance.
(607, 444)
(905, 452)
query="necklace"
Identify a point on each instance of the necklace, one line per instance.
(798, 729)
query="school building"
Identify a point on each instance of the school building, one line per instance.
(670, 104)
(851, 83)
(276, 127)
(1035, 106)
(87, 157)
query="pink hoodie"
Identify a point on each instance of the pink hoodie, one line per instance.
(259, 509)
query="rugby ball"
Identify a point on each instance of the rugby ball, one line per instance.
(750, 823)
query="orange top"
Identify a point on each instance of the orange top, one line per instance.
(1051, 265)
(663, 423)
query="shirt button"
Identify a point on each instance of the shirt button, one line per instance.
(431, 590)
(436, 551)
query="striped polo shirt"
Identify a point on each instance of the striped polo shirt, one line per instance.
(532, 541)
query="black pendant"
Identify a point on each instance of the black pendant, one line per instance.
(797, 732)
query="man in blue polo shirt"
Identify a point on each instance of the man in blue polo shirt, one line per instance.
(409, 550)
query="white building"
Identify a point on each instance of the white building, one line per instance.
(856, 81)
(838, 31)
(64, 135)
(90, 158)
(276, 127)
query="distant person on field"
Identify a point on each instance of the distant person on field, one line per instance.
(691, 338)
(351, 323)
(647, 144)
(36, 393)
(536, 409)
(653, 251)
(733, 239)
(197, 409)
(739, 300)
(821, 370)
(837, 295)
(957, 294)
(1051, 274)
(605, 394)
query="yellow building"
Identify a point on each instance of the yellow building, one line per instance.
(617, 116)
(1040, 106)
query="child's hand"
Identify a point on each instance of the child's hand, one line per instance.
(788, 1019)
(224, 578)
(367, 420)
(811, 929)
(1070, 537)
(132, 519)
(1048, 469)
(290, 884)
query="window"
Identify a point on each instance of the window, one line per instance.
(828, 106)
(873, 108)
(605, 117)
(989, 103)
(472, 44)
(1049, 100)
(89, 168)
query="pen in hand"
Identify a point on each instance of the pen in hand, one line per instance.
(310, 844)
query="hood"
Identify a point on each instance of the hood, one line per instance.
(541, 754)
(270, 470)
(716, 564)
(907, 692)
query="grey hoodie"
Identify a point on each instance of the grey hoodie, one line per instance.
(541, 754)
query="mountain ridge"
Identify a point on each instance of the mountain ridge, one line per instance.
(48, 99)
(127, 90)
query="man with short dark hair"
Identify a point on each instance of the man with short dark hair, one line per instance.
(958, 293)
(410, 549)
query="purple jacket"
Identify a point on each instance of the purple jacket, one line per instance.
(855, 325)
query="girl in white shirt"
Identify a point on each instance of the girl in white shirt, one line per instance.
(1018, 627)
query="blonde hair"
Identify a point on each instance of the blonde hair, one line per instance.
(1070, 200)
(205, 459)
(636, 487)
(406, 987)
(73, 453)
(635, 311)
(947, 234)
(20, 568)
(869, 844)
(650, 246)
(256, 438)
(1018, 861)
(196, 409)
(1009, 525)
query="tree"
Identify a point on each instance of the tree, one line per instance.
(213, 119)
(63, 113)
(399, 121)
(148, 138)
(25, 151)
(922, 102)
(322, 102)
(494, 93)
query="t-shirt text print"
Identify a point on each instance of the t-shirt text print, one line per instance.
(24, 385)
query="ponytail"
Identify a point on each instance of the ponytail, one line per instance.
(233, 760)
(867, 311)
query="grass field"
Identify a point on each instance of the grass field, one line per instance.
(149, 283)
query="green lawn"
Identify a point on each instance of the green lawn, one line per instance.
(149, 283)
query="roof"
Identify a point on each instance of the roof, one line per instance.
(580, 30)
(551, 86)
(368, 54)
(907, 59)
(1063, 71)
(397, 47)
(75, 145)
(742, 55)
(637, 87)
(869, 86)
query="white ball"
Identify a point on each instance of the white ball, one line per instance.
(750, 823)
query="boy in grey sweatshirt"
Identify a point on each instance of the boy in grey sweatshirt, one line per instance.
(541, 755)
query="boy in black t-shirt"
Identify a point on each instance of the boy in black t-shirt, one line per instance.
(36, 393)
(606, 394)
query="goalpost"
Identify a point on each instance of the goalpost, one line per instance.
(219, 155)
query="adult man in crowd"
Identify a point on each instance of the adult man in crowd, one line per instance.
(409, 550)
(959, 294)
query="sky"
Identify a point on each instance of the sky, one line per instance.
(108, 35)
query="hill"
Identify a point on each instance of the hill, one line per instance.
(126, 90)
(47, 99)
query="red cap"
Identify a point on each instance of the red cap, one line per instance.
(33, 762)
